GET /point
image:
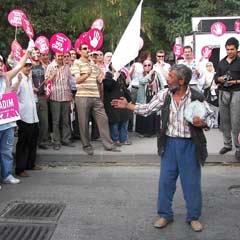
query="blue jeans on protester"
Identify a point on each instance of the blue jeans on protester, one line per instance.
(119, 131)
(6, 145)
(179, 158)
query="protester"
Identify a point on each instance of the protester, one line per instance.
(190, 62)
(26, 148)
(115, 86)
(150, 84)
(181, 144)
(88, 101)
(7, 129)
(135, 72)
(41, 102)
(228, 78)
(107, 58)
(210, 89)
(60, 98)
(161, 67)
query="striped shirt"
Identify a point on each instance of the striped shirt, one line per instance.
(61, 89)
(177, 124)
(89, 87)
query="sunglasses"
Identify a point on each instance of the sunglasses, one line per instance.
(28, 65)
(160, 56)
(147, 65)
(84, 48)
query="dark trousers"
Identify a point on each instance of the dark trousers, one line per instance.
(26, 148)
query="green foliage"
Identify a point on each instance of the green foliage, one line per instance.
(162, 21)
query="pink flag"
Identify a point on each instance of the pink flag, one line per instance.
(98, 24)
(15, 17)
(42, 44)
(60, 43)
(27, 27)
(17, 50)
(94, 39)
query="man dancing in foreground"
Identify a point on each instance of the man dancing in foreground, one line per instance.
(181, 144)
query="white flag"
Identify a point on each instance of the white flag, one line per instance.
(128, 47)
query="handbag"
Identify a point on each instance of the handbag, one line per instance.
(210, 98)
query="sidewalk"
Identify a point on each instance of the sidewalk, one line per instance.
(142, 151)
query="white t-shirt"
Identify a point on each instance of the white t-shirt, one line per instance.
(137, 74)
(27, 104)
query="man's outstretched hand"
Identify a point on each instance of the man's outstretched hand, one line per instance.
(119, 103)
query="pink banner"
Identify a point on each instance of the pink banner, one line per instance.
(94, 39)
(42, 44)
(9, 110)
(17, 51)
(60, 43)
(27, 27)
(15, 17)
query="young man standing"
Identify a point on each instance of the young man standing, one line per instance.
(60, 98)
(88, 101)
(228, 78)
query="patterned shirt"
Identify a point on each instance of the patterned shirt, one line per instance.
(89, 87)
(61, 89)
(177, 124)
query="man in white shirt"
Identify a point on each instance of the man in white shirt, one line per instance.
(190, 62)
(26, 147)
(161, 67)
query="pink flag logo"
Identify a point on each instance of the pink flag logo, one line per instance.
(206, 52)
(94, 39)
(218, 29)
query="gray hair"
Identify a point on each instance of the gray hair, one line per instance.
(182, 72)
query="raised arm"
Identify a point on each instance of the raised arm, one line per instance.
(12, 73)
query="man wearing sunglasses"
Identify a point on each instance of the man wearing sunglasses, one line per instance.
(87, 75)
(161, 67)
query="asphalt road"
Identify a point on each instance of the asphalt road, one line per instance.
(106, 202)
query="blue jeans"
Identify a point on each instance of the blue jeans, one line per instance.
(179, 158)
(6, 158)
(119, 131)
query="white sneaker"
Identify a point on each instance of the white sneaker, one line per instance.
(11, 180)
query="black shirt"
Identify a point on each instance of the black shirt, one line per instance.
(230, 69)
(38, 78)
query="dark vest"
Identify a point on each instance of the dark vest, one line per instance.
(197, 134)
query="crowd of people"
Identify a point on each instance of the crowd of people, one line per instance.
(60, 97)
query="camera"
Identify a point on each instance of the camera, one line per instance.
(226, 78)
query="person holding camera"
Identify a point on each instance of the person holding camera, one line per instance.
(228, 78)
